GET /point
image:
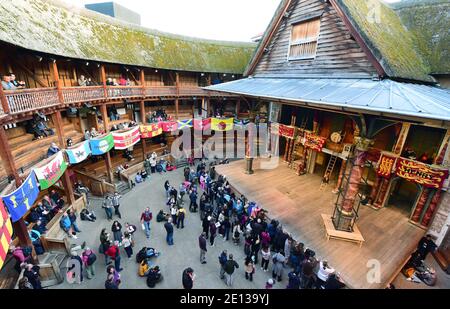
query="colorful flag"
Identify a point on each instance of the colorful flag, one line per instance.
(151, 130)
(101, 145)
(50, 173)
(218, 124)
(78, 153)
(124, 139)
(184, 124)
(202, 124)
(21, 200)
(5, 233)
(169, 126)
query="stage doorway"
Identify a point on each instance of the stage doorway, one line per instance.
(403, 196)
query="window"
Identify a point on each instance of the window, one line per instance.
(304, 37)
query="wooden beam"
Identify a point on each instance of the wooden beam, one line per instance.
(103, 77)
(29, 72)
(57, 82)
(107, 155)
(142, 78)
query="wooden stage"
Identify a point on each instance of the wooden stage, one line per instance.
(297, 203)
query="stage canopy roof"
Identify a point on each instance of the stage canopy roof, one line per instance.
(386, 97)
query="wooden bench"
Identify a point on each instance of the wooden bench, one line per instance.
(331, 232)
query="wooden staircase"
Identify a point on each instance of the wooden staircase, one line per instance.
(328, 172)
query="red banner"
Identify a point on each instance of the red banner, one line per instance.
(313, 141)
(5, 233)
(124, 139)
(286, 131)
(150, 130)
(202, 124)
(386, 165)
(421, 173)
(169, 126)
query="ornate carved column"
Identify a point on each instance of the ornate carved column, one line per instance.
(398, 148)
(431, 209)
(420, 205)
(383, 189)
(341, 174)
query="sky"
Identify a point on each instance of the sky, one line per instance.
(229, 20)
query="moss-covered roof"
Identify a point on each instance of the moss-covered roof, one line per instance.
(389, 40)
(429, 22)
(55, 28)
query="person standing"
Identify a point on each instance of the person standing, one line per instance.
(249, 268)
(110, 284)
(32, 274)
(229, 267)
(425, 246)
(89, 259)
(181, 213)
(116, 229)
(173, 213)
(278, 265)
(169, 229)
(203, 249)
(213, 232)
(205, 225)
(188, 278)
(116, 203)
(223, 258)
(193, 201)
(114, 252)
(265, 257)
(104, 245)
(146, 218)
(127, 243)
(107, 205)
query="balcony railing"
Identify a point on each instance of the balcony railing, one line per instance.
(83, 94)
(25, 100)
(124, 92)
(31, 99)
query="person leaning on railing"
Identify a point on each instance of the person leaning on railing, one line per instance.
(7, 84)
(17, 84)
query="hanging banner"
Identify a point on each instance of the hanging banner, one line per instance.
(169, 126)
(386, 165)
(150, 130)
(124, 139)
(218, 124)
(21, 200)
(78, 153)
(101, 145)
(6, 231)
(286, 131)
(184, 124)
(50, 173)
(202, 124)
(421, 173)
(313, 141)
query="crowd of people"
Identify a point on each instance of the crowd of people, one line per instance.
(9, 82)
(158, 116)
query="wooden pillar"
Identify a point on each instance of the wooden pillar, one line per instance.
(144, 121)
(57, 82)
(420, 205)
(431, 209)
(6, 155)
(398, 148)
(103, 77)
(177, 84)
(65, 179)
(4, 101)
(142, 81)
(286, 150)
(107, 155)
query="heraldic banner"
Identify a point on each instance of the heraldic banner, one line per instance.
(169, 126)
(202, 124)
(386, 165)
(286, 131)
(125, 139)
(150, 130)
(218, 124)
(21, 200)
(50, 173)
(5, 233)
(78, 153)
(313, 141)
(101, 145)
(421, 173)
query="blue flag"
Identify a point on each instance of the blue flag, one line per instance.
(21, 200)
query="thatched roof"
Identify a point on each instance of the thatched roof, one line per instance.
(56, 28)
(429, 21)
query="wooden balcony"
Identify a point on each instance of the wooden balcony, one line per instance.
(30, 99)
(83, 94)
(26, 100)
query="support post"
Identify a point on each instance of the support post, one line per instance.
(65, 179)
(4, 101)
(103, 77)
(7, 158)
(57, 82)
(398, 148)
(142, 81)
(107, 155)
(144, 121)
(177, 85)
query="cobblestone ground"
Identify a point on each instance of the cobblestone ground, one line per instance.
(173, 259)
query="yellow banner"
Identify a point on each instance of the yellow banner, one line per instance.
(218, 124)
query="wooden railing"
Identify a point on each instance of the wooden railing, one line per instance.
(25, 100)
(82, 94)
(161, 91)
(124, 91)
(31, 99)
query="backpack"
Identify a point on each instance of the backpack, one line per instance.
(140, 256)
(222, 259)
(91, 259)
(143, 268)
